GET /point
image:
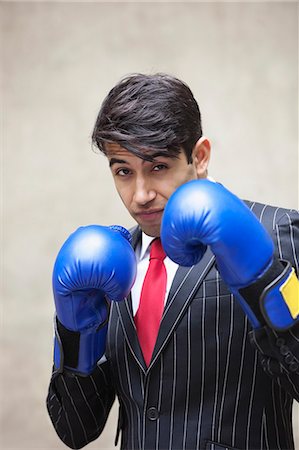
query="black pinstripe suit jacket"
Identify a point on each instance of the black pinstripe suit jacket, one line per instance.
(213, 382)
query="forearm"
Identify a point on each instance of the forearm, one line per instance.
(279, 351)
(279, 356)
(79, 406)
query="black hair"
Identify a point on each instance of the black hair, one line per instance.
(146, 113)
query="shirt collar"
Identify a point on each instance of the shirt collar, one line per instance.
(145, 243)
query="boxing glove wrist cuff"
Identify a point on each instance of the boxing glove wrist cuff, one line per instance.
(70, 343)
(274, 298)
(76, 351)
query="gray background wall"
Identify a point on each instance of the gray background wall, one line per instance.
(58, 61)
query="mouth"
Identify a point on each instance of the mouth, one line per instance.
(149, 215)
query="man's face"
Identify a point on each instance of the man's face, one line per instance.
(144, 186)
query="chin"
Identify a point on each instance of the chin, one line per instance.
(153, 231)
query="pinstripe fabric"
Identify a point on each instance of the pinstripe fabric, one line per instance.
(213, 383)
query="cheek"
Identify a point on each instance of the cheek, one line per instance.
(123, 193)
(191, 173)
(126, 201)
(166, 188)
(184, 175)
(126, 195)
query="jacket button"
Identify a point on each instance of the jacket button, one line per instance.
(294, 366)
(289, 358)
(280, 342)
(284, 349)
(152, 413)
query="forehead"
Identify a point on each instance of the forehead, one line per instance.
(113, 149)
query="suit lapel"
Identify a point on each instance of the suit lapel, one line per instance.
(186, 282)
(125, 313)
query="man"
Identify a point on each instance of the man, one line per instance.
(220, 373)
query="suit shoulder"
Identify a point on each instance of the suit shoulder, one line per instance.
(270, 215)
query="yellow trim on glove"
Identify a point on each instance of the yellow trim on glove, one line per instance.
(290, 292)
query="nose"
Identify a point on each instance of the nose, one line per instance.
(144, 192)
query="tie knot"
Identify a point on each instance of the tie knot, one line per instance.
(157, 251)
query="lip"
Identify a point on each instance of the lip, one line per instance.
(149, 215)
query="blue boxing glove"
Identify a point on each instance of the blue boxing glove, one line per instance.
(202, 213)
(96, 264)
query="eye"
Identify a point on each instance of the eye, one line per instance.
(159, 167)
(122, 172)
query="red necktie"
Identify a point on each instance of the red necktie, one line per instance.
(149, 313)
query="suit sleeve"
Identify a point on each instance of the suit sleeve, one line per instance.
(79, 406)
(279, 351)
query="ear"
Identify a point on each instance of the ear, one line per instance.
(201, 156)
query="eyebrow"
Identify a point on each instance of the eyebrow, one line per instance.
(153, 156)
(116, 161)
